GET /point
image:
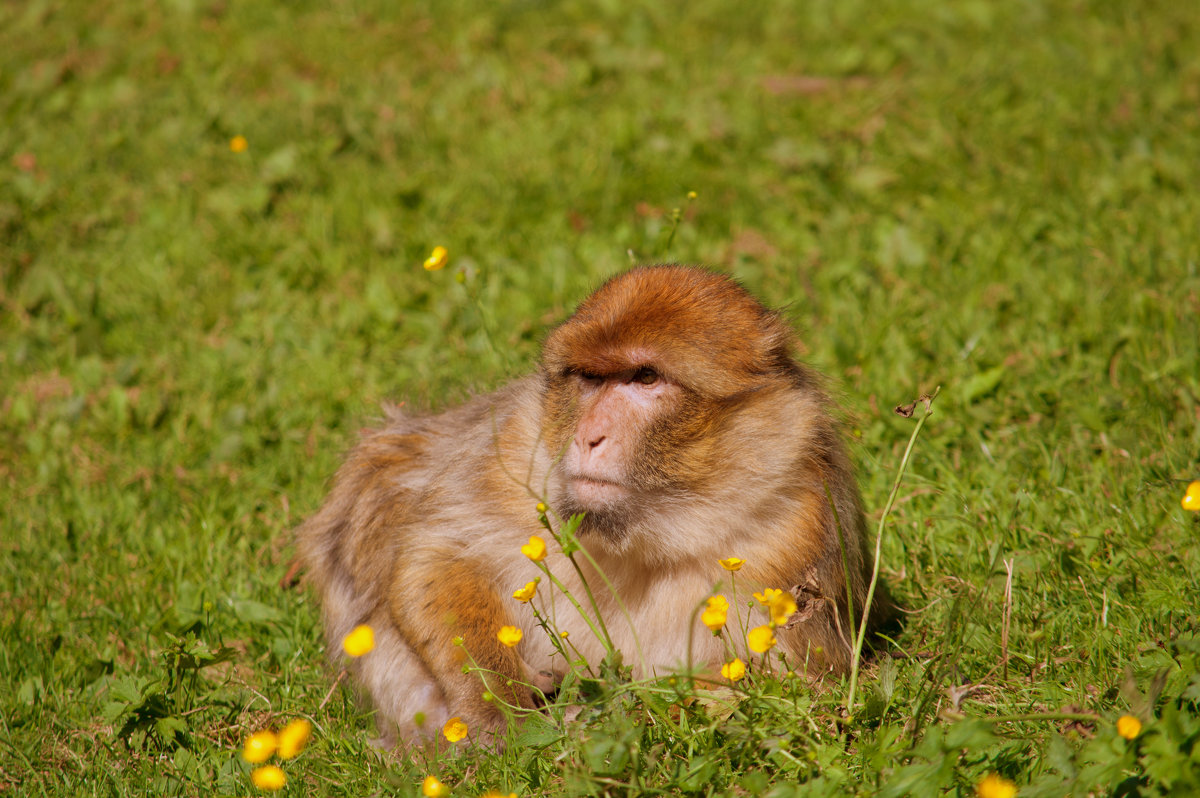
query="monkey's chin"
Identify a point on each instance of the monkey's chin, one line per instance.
(608, 509)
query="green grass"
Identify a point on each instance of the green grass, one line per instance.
(996, 198)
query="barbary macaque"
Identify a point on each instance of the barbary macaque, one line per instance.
(670, 412)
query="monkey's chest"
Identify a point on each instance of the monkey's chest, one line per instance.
(656, 628)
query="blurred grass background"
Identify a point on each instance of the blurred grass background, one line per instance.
(997, 198)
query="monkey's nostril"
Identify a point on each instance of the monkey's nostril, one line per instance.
(597, 442)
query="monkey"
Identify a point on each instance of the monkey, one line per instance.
(670, 413)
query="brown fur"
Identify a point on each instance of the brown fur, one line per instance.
(670, 410)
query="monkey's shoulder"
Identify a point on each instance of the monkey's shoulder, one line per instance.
(436, 433)
(430, 463)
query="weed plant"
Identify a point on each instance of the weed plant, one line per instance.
(213, 222)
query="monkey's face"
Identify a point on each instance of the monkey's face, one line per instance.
(614, 414)
(627, 441)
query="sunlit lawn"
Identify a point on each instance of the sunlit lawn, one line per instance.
(213, 222)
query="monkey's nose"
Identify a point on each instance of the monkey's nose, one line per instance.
(597, 442)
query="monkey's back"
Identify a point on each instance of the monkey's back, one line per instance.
(404, 476)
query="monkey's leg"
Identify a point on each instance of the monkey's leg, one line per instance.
(434, 605)
(408, 699)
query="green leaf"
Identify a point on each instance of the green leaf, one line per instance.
(538, 732)
(255, 612)
(980, 384)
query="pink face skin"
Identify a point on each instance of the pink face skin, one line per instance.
(617, 408)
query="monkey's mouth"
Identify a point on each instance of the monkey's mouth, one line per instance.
(596, 492)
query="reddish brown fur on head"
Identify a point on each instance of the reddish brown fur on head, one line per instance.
(701, 329)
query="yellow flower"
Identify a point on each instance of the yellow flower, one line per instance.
(239, 144)
(542, 507)
(767, 596)
(995, 786)
(761, 639)
(509, 635)
(564, 634)
(270, 777)
(497, 794)
(714, 614)
(454, 730)
(1128, 726)
(526, 594)
(691, 195)
(1191, 499)
(432, 788)
(436, 259)
(535, 549)
(782, 606)
(359, 641)
(733, 670)
(294, 737)
(260, 746)
(732, 563)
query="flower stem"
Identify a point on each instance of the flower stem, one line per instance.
(860, 639)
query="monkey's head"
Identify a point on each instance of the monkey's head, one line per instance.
(642, 383)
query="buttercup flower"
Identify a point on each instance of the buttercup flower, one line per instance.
(761, 639)
(497, 794)
(259, 746)
(1128, 726)
(733, 670)
(454, 730)
(995, 786)
(767, 596)
(432, 788)
(360, 641)
(781, 607)
(436, 259)
(541, 507)
(526, 594)
(714, 614)
(732, 563)
(294, 737)
(1191, 499)
(535, 549)
(270, 777)
(238, 144)
(509, 635)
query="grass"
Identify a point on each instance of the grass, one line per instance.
(995, 198)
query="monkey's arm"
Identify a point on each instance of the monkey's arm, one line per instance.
(449, 611)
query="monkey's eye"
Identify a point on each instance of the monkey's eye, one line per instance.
(589, 376)
(646, 376)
